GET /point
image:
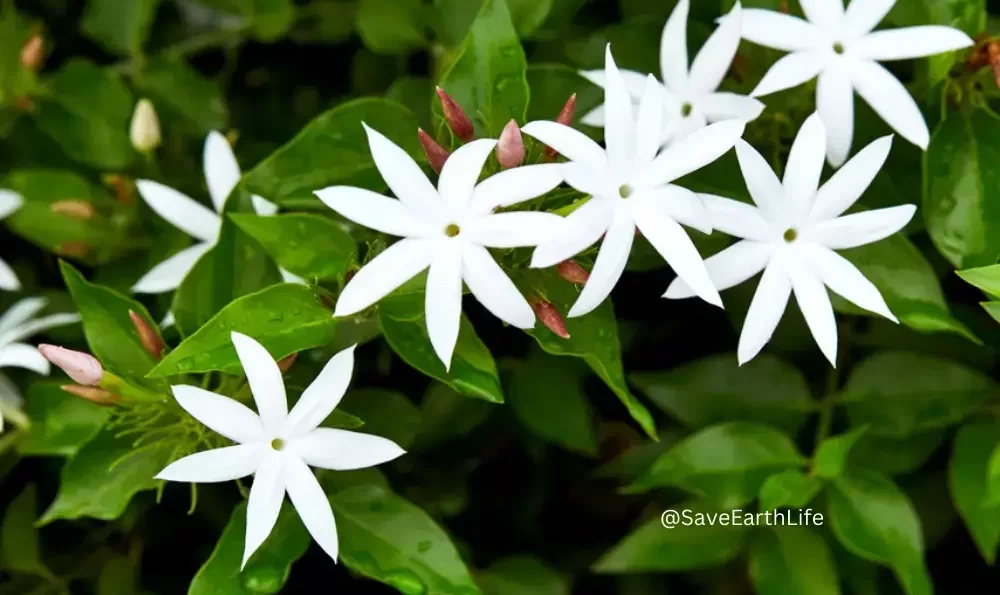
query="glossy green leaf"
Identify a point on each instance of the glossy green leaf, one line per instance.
(992, 497)
(413, 92)
(15, 30)
(790, 488)
(454, 17)
(551, 87)
(311, 246)
(969, 16)
(986, 278)
(19, 548)
(271, 18)
(177, 88)
(967, 479)
(831, 456)
(61, 423)
(121, 27)
(895, 455)
(523, 575)
(392, 26)
(792, 561)
(385, 413)
(445, 415)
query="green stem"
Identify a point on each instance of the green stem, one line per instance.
(128, 391)
(826, 406)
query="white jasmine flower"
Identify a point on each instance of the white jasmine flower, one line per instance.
(10, 201)
(447, 229)
(222, 173)
(840, 47)
(690, 98)
(278, 446)
(630, 184)
(791, 235)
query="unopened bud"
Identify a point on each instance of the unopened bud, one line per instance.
(510, 147)
(783, 6)
(144, 131)
(455, 117)
(73, 249)
(549, 316)
(33, 52)
(436, 154)
(77, 209)
(993, 57)
(82, 367)
(91, 393)
(148, 336)
(123, 188)
(565, 118)
(285, 363)
(571, 271)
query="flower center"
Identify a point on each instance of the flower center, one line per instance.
(838, 47)
(790, 235)
(686, 109)
(624, 191)
(277, 444)
(452, 230)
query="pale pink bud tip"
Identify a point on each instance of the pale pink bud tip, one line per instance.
(91, 393)
(571, 271)
(455, 117)
(550, 317)
(148, 336)
(510, 147)
(436, 154)
(82, 367)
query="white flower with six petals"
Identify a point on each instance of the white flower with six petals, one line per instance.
(10, 201)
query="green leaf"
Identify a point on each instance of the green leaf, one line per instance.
(968, 15)
(454, 17)
(446, 415)
(266, 571)
(967, 478)
(385, 413)
(792, 561)
(695, 542)
(960, 205)
(87, 110)
(19, 549)
(874, 520)
(385, 537)
(392, 26)
(524, 575)
(985, 278)
(285, 319)
(177, 88)
(790, 488)
(413, 91)
(271, 18)
(311, 246)
(488, 77)
(715, 389)
(106, 323)
(726, 462)
(120, 27)
(553, 84)
(899, 394)
(101, 479)
(992, 497)
(473, 372)
(546, 394)
(118, 576)
(333, 150)
(831, 456)
(15, 80)
(61, 423)
(895, 456)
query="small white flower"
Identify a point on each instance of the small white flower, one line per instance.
(10, 201)
(631, 187)
(840, 47)
(792, 233)
(690, 99)
(278, 446)
(16, 324)
(222, 174)
(447, 229)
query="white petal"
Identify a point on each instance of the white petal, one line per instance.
(649, 122)
(620, 129)
(835, 104)
(10, 201)
(595, 181)
(404, 177)
(289, 277)
(847, 185)
(862, 17)
(512, 230)
(691, 153)
(180, 210)
(673, 48)
(859, 229)
(222, 172)
(378, 212)
(765, 311)
(322, 396)
(8, 280)
(396, 265)
(779, 31)
(730, 106)
(737, 218)
(569, 142)
(263, 207)
(266, 495)
(341, 450)
(674, 245)
(634, 81)
(311, 503)
(213, 466)
(890, 100)
(805, 166)
(167, 275)
(515, 186)
(461, 172)
(494, 289)
(715, 57)
(844, 279)
(679, 128)
(609, 266)
(579, 230)
(24, 356)
(222, 415)
(681, 205)
(765, 188)
(910, 42)
(790, 71)
(22, 311)
(443, 302)
(39, 325)
(814, 302)
(264, 378)
(825, 14)
(594, 117)
(728, 268)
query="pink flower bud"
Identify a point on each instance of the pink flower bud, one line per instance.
(455, 117)
(285, 363)
(549, 315)
(565, 118)
(82, 367)
(571, 271)
(510, 147)
(91, 393)
(436, 154)
(148, 336)
(33, 53)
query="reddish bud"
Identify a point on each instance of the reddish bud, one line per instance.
(510, 147)
(123, 188)
(571, 271)
(549, 316)
(455, 117)
(73, 249)
(436, 154)
(77, 209)
(82, 367)
(33, 52)
(285, 363)
(993, 57)
(783, 6)
(91, 393)
(148, 336)
(565, 118)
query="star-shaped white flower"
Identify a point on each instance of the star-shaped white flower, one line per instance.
(840, 47)
(279, 446)
(16, 324)
(690, 99)
(10, 201)
(447, 229)
(222, 174)
(792, 233)
(630, 185)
